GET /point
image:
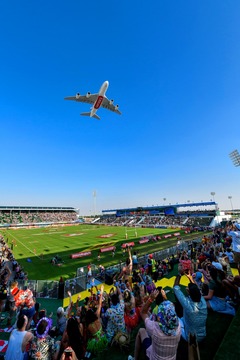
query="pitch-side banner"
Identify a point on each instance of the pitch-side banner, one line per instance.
(109, 248)
(80, 254)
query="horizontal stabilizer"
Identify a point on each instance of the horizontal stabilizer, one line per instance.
(89, 114)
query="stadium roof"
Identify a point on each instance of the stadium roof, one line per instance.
(36, 208)
(157, 207)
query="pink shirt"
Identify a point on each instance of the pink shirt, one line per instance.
(163, 347)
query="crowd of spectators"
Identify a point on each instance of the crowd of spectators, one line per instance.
(91, 325)
(156, 220)
(18, 218)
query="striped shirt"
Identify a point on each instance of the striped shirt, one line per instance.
(163, 347)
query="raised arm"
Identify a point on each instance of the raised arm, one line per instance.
(98, 312)
(148, 303)
(130, 258)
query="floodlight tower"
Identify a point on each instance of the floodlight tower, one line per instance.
(94, 202)
(213, 194)
(230, 198)
(235, 157)
(216, 208)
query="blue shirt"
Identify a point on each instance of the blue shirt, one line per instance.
(194, 314)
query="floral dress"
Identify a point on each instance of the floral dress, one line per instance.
(42, 349)
(116, 323)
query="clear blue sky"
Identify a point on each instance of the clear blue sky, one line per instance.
(173, 68)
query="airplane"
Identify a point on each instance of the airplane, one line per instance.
(97, 100)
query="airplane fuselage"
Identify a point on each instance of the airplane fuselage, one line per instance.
(100, 97)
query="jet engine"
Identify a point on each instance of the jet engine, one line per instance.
(88, 94)
(116, 107)
(77, 96)
(110, 102)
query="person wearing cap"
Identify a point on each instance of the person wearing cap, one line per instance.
(194, 308)
(161, 336)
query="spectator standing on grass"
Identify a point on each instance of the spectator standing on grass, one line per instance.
(18, 340)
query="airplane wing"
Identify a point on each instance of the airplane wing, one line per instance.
(107, 104)
(90, 99)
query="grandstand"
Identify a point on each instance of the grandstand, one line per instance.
(30, 215)
(195, 215)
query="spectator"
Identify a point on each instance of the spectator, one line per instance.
(131, 312)
(216, 294)
(18, 340)
(24, 301)
(233, 230)
(115, 315)
(42, 345)
(194, 309)
(61, 323)
(135, 260)
(97, 340)
(126, 272)
(230, 255)
(160, 338)
(73, 337)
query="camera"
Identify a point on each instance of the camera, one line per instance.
(68, 353)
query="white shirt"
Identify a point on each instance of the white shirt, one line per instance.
(235, 235)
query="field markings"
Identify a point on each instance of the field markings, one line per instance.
(56, 232)
(25, 246)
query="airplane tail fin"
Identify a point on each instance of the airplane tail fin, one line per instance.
(89, 114)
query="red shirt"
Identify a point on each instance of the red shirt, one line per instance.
(23, 298)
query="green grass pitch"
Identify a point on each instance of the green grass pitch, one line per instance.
(41, 244)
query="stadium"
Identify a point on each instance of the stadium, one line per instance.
(52, 243)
